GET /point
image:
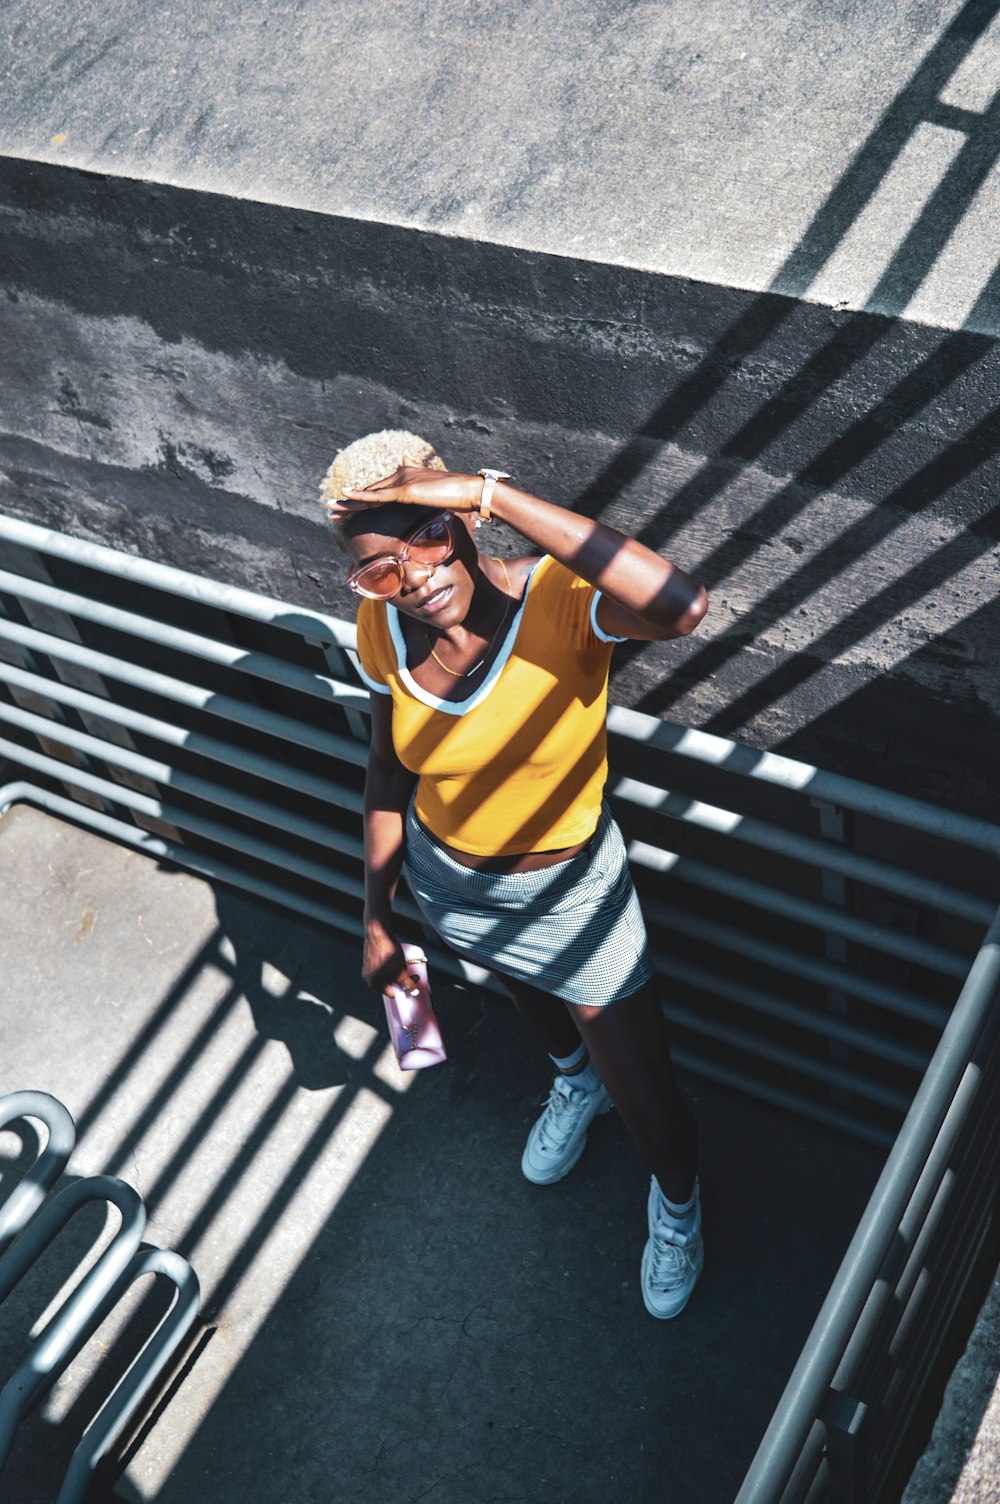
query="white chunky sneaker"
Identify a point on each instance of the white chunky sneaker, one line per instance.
(671, 1261)
(557, 1140)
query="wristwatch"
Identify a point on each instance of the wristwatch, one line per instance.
(490, 478)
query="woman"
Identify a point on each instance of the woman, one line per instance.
(485, 783)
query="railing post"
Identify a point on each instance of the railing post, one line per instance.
(340, 665)
(844, 1421)
(836, 825)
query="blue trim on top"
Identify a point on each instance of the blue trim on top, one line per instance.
(598, 632)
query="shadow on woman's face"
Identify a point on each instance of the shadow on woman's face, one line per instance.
(438, 595)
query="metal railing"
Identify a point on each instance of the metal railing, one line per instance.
(812, 931)
(29, 1223)
(836, 1431)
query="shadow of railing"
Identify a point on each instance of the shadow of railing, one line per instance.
(838, 553)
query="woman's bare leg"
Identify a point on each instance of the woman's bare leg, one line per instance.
(545, 1015)
(630, 1047)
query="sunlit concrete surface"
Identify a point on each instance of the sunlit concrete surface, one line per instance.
(962, 1462)
(697, 140)
(397, 1314)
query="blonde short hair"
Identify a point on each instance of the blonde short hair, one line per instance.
(373, 458)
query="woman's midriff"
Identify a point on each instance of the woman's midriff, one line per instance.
(522, 861)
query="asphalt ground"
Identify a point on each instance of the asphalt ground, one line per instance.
(393, 1313)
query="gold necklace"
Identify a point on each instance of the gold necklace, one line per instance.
(465, 672)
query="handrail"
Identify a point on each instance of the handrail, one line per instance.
(817, 1365)
(841, 1048)
(225, 654)
(194, 696)
(804, 778)
(178, 582)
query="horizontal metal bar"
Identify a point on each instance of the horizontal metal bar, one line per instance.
(253, 808)
(890, 998)
(764, 1091)
(228, 753)
(827, 1025)
(879, 1225)
(189, 783)
(820, 916)
(215, 868)
(195, 696)
(803, 778)
(815, 853)
(692, 1060)
(178, 582)
(244, 660)
(826, 973)
(695, 745)
(233, 838)
(762, 1048)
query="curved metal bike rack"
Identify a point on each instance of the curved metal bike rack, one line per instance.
(32, 1223)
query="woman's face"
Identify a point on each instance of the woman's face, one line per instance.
(440, 594)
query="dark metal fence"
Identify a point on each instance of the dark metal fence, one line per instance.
(812, 932)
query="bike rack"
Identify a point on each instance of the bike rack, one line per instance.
(28, 1195)
(33, 1224)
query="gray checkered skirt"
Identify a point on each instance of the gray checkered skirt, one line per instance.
(574, 930)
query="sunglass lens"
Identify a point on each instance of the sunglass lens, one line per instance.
(431, 544)
(378, 580)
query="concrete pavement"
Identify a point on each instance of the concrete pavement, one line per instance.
(397, 1314)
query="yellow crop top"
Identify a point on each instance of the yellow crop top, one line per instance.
(520, 764)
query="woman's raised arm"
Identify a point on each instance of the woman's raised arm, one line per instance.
(643, 596)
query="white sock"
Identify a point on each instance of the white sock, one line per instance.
(578, 1069)
(684, 1216)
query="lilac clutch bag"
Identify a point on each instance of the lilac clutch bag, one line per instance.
(413, 1025)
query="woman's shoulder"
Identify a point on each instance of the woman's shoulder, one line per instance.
(560, 603)
(520, 572)
(550, 578)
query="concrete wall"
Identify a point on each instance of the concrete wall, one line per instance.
(179, 367)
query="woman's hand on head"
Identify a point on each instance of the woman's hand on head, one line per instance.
(417, 486)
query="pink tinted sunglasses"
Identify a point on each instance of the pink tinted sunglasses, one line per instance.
(429, 545)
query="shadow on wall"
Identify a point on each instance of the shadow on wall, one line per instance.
(872, 568)
(842, 517)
